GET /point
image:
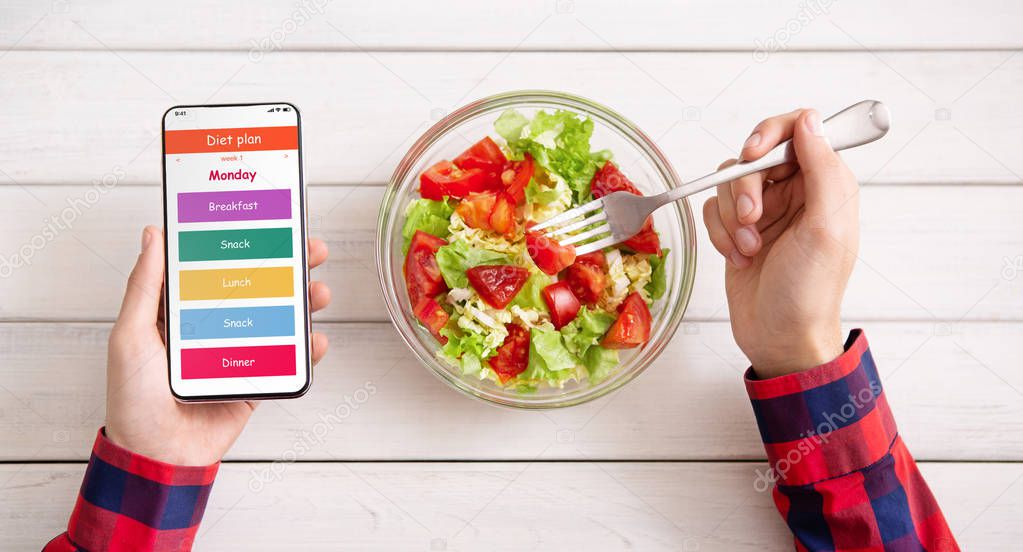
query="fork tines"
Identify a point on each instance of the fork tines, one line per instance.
(599, 218)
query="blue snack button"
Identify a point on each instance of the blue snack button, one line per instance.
(237, 322)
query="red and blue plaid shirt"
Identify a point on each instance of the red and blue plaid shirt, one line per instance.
(843, 480)
(132, 503)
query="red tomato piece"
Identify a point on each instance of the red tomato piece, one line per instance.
(431, 315)
(586, 280)
(646, 241)
(485, 155)
(476, 208)
(445, 179)
(497, 284)
(609, 180)
(512, 356)
(632, 328)
(549, 255)
(502, 216)
(422, 275)
(595, 259)
(562, 303)
(516, 177)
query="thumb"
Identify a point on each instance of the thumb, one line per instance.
(141, 304)
(825, 178)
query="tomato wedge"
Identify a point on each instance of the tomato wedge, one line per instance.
(609, 180)
(445, 179)
(646, 241)
(422, 275)
(476, 208)
(632, 328)
(497, 284)
(549, 255)
(512, 356)
(586, 280)
(485, 155)
(431, 315)
(595, 259)
(562, 303)
(516, 177)
(502, 216)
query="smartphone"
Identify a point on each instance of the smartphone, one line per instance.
(236, 306)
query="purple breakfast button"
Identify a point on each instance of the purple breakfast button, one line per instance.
(239, 205)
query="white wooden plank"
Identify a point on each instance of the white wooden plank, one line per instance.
(928, 252)
(372, 400)
(502, 506)
(534, 24)
(78, 117)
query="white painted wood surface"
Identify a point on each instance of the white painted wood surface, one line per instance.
(506, 506)
(362, 110)
(937, 286)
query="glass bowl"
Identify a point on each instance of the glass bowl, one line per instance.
(640, 160)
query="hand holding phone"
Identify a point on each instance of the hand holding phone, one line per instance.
(141, 414)
(237, 279)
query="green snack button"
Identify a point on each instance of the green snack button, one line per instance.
(229, 245)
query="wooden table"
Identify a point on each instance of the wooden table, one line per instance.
(669, 462)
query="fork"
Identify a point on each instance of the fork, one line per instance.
(621, 214)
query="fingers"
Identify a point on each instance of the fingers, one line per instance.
(141, 305)
(320, 346)
(827, 181)
(747, 191)
(317, 252)
(745, 236)
(719, 235)
(767, 134)
(319, 295)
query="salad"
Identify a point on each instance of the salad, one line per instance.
(511, 305)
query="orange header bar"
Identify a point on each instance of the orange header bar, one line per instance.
(231, 139)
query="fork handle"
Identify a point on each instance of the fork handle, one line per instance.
(855, 125)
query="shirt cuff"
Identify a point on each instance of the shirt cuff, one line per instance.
(824, 422)
(131, 502)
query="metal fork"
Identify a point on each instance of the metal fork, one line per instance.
(621, 215)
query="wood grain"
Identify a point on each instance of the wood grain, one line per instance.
(927, 253)
(79, 117)
(531, 24)
(504, 506)
(372, 400)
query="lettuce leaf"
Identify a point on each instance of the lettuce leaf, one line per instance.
(586, 330)
(509, 125)
(531, 294)
(599, 363)
(427, 215)
(458, 256)
(549, 360)
(658, 275)
(559, 142)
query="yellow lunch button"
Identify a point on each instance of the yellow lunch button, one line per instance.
(237, 283)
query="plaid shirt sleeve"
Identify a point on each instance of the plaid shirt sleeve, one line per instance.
(130, 502)
(844, 479)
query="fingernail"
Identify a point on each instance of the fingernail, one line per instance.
(744, 205)
(813, 123)
(739, 260)
(753, 141)
(746, 239)
(146, 238)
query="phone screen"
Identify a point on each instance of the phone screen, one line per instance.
(237, 323)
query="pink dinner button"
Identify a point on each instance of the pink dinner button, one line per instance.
(238, 362)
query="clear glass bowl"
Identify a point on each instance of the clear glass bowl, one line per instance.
(638, 157)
